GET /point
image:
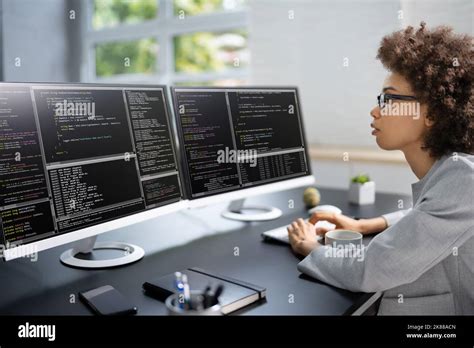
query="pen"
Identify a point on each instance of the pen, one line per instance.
(217, 293)
(179, 287)
(207, 296)
(186, 291)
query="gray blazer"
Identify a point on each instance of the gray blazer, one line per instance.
(424, 261)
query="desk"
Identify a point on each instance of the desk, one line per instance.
(46, 287)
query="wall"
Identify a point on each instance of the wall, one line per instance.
(35, 31)
(458, 14)
(390, 178)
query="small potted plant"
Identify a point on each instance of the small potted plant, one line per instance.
(362, 190)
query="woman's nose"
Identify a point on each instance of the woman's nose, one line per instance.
(375, 112)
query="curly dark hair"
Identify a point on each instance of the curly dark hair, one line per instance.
(439, 66)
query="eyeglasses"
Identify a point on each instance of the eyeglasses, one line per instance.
(383, 98)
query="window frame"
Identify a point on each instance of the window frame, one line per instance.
(163, 29)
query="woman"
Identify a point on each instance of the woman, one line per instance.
(424, 259)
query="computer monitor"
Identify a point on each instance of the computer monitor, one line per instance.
(77, 160)
(239, 142)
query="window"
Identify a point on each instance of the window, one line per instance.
(208, 51)
(183, 42)
(110, 13)
(115, 58)
(198, 7)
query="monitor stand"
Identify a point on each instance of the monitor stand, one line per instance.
(86, 247)
(237, 211)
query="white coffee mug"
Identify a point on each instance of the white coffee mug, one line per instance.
(339, 237)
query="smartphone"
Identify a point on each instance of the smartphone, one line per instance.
(106, 300)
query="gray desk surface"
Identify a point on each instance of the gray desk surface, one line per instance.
(46, 287)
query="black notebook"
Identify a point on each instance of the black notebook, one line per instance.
(237, 294)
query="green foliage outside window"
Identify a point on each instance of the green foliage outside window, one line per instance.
(109, 13)
(126, 57)
(207, 51)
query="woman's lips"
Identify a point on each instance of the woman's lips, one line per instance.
(376, 130)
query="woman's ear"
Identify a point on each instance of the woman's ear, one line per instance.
(424, 111)
(428, 122)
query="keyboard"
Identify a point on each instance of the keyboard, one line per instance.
(281, 233)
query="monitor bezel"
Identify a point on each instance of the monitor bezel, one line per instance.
(305, 179)
(23, 250)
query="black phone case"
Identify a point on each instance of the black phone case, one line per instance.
(106, 300)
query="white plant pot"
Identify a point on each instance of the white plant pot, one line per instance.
(362, 193)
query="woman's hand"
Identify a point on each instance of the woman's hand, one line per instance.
(302, 237)
(364, 226)
(341, 222)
